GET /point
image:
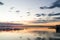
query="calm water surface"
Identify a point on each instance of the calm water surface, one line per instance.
(17, 35)
(23, 35)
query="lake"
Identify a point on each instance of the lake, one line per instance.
(23, 35)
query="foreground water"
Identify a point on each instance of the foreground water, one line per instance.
(17, 35)
(23, 35)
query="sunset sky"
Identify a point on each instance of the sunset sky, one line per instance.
(21, 11)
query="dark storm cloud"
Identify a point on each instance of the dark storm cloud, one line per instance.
(56, 14)
(1, 3)
(55, 4)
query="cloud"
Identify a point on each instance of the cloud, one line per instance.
(57, 18)
(17, 11)
(56, 14)
(28, 13)
(12, 7)
(54, 19)
(43, 14)
(45, 21)
(38, 15)
(9, 24)
(1, 3)
(40, 21)
(48, 18)
(55, 4)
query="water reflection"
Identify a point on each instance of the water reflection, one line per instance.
(25, 35)
(16, 35)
